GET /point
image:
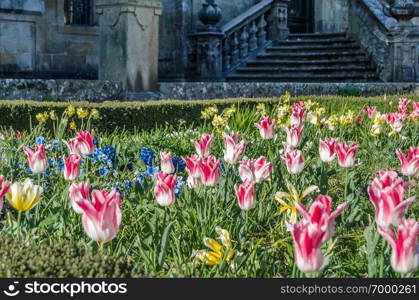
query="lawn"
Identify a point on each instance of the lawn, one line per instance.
(177, 208)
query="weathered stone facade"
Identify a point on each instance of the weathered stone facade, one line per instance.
(36, 40)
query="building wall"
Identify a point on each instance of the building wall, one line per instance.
(331, 15)
(34, 42)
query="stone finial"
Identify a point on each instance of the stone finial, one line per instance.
(210, 15)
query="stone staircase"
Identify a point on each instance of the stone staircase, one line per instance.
(309, 58)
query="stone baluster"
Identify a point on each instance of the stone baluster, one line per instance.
(235, 53)
(253, 41)
(244, 45)
(261, 34)
(226, 54)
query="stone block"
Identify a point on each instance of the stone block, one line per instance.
(29, 6)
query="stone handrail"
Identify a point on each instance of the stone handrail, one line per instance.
(388, 37)
(217, 51)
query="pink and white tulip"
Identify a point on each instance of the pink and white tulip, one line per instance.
(346, 154)
(84, 142)
(255, 170)
(79, 192)
(164, 190)
(166, 163)
(396, 120)
(386, 194)
(294, 135)
(37, 159)
(298, 112)
(101, 216)
(266, 128)
(245, 194)
(321, 213)
(4, 188)
(193, 182)
(308, 238)
(370, 111)
(405, 255)
(234, 150)
(294, 160)
(409, 164)
(71, 166)
(327, 149)
(193, 164)
(203, 148)
(210, 171)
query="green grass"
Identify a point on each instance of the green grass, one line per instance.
(158, 242)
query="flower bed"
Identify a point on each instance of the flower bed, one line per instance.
(252, 188)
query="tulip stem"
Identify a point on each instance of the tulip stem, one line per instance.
(383, 243)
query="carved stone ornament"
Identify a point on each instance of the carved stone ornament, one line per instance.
(210, 14)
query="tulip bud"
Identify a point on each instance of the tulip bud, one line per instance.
(166, 163)
(210, 171)
(327, 149)
(71, 166)
(245, 194)
(22, 196)
(164, 190)
(38, 162)
(266, 128)
(346, 154)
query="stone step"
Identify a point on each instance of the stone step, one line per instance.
(296, 36)
(315, 42)
(304, 77)
(311, 69)
(310, 54)
(362, 61)
(313, 48)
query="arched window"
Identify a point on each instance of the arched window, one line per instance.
(78, 12)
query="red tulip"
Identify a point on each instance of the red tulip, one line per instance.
(233, 150)
(166, 163)
(37, 160)
(327, 149)
(266, 128)
(346, 154)
(294, 135)
(4, 188)
(79, 192)
(409, 164)
(405, 256)
(245, 194)
(193, 165)
(102, 215)
(308, 238)
(321, 213)
(210, 171)
(71, 166)
(164, 190)
(386, 194)
(203, 148)
(84, 142)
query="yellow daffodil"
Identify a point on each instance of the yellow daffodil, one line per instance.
(260, 109)
(22, 196)
(218, 252)
(53, 115)
(42, 117)
(94, 114)
(70, 111)
(209, 112)
(229, 112)
(291, 198)
(286, 98)
(72, 125)
(82, 113)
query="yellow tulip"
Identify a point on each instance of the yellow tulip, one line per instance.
(24, 195)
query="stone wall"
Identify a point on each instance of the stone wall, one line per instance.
(331, 15)
(35, 43)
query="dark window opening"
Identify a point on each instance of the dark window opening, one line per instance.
(78, 12)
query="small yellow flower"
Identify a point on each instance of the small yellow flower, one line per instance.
(218, 252)
(22, 196)
(70, 111)
(286, 98)
(292, 197)
(209, 112)
(260, 109)
(94, 114)
(82, 113)
(53, 115)
(73, 125)
(42, 117)
(218, 121)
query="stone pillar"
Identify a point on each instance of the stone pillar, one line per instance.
(129, 42)
(278, 21)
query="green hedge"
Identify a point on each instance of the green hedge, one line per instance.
(64, 259)
(148, 115)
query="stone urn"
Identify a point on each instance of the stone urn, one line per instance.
(210, 15)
